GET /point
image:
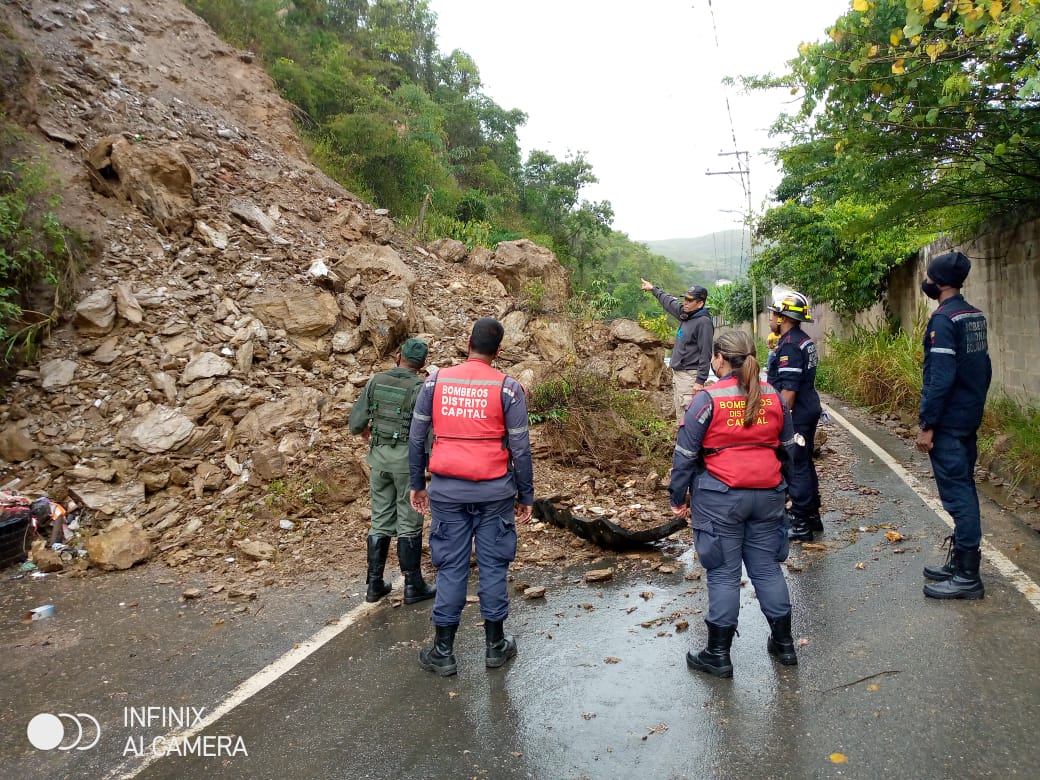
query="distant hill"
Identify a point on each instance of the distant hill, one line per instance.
(721, 255)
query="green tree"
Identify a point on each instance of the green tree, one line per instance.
(732, 302)
(917, 116)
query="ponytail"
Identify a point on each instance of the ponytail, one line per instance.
(738, 349)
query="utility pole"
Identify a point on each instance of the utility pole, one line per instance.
(744, 171)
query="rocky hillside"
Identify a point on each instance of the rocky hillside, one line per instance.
(236, 302)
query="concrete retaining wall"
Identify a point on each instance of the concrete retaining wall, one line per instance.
(1004, 282)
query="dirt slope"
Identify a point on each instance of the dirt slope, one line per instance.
(201, 387)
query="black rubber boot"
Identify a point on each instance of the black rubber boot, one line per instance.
(409, 553)
(965, 582)
(714, 658)
(816, 522)
(500, 648)
(780, 642)
(440, 656)
(800, 530)
(948, 568)
(378, 549)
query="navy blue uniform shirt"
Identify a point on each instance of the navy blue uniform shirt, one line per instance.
(795, 369)
(957, 369)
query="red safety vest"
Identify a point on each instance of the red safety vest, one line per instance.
(743, 457)
(469, 423)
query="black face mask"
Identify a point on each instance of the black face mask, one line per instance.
(931, 289)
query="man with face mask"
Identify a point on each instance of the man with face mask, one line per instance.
(957, 374)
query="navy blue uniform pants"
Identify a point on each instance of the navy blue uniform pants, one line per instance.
(803, 486)
(454, 531)
(734, 526)
(953, 457)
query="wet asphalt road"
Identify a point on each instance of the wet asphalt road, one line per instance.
(900, 686)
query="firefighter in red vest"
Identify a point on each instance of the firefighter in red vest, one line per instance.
(727, 461)
(481, 469)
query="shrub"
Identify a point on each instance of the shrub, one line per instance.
(588, 422)
(34, 246)
(879, 369)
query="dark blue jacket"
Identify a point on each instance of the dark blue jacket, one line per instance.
(957, 370)
(794, 368)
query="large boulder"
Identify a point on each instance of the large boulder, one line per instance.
(522, 265)
(387, 315)
(96, 314)
(301, 406)
(160, 429)
(553, 340)
(297, 309)
(119, 547)
(635, 368)
(630, 332)
(369, 264)
(157, 180)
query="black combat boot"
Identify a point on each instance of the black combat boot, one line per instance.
(440, 656)
(948, 568)
(965, 582)
(378, 549)
(500, 648)
(800, 530)
(409, 553)
(780, 642)
(714, 658)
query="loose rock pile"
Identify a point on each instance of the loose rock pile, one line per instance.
(237, 302)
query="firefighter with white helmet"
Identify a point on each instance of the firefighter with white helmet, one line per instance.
(793, 373)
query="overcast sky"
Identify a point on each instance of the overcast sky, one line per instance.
(637, 87)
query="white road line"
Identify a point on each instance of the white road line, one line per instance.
(249, 688)
(1000, 562)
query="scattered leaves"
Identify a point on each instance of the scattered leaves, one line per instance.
(893, 536)
(839, 758)
(611, 659)
(861, 565)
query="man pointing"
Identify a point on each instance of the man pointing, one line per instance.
(691, 355)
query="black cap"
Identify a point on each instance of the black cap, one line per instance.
(950, 269)
(698, 292)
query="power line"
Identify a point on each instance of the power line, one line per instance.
(744, 171)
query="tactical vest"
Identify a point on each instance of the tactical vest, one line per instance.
(390, 403)
(469, 426)
(738, 456)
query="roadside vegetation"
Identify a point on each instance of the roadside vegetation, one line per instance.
(880, 369)
(585, 422)
(36, 251)
(912, 119)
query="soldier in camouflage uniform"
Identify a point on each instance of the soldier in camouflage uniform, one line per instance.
(383, 415)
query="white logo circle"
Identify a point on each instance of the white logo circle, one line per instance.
(45, 731)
